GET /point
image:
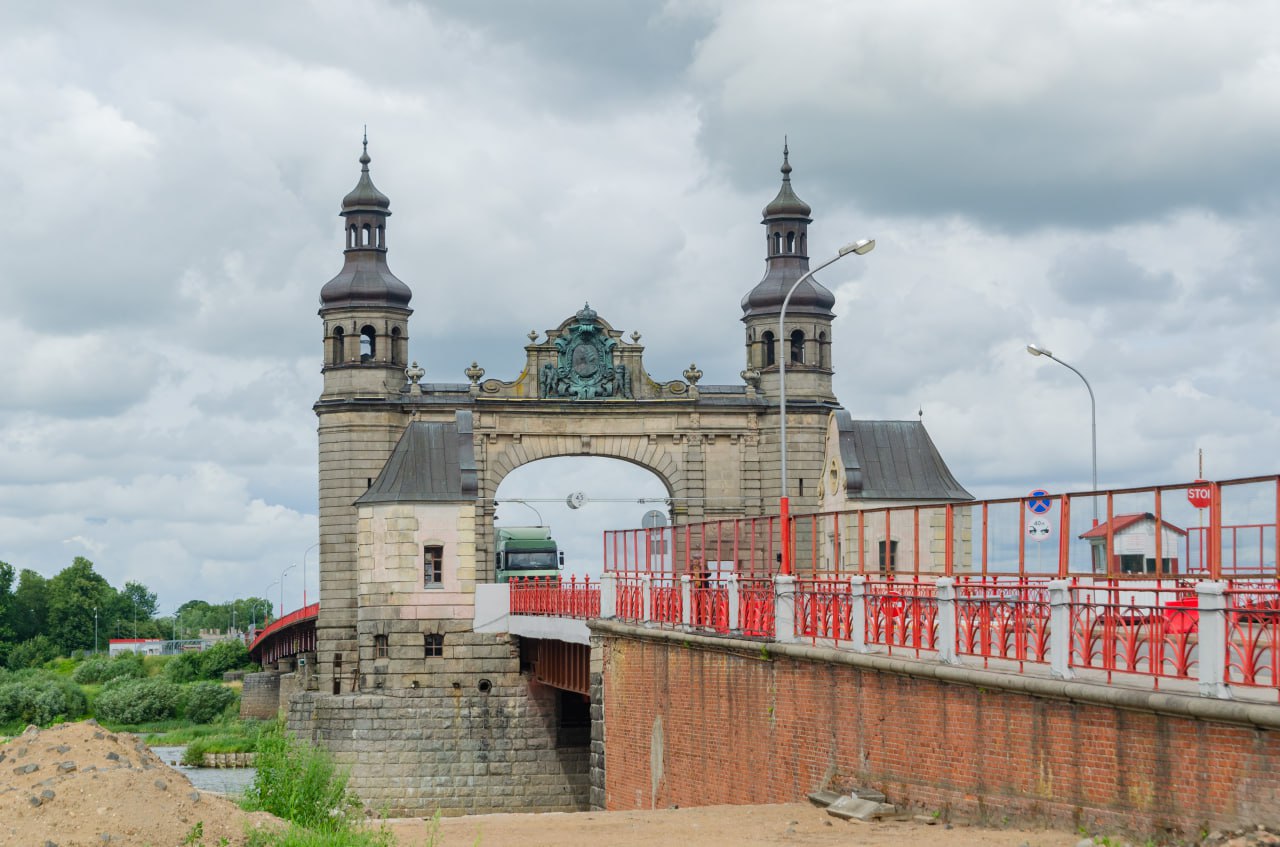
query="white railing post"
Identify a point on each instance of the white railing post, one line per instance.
(1212, 629)
(945, 593)
(1060, 629)
(646, 598)
(608, 595)
(858, 613)
(686, 600)
(784, 608)
(735, 602)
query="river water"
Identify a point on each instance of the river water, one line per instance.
(232, 781)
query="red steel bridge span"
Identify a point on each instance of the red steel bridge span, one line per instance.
(286, 637)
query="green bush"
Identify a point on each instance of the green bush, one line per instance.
(222, 657)
(40, 700)
(298, 782)
(101, 669)
(32, 653)
(207, 700)
(184, 667)
(135, 701)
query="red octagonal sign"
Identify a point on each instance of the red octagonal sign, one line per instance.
(1200, 494)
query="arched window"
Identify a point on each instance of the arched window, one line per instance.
(368, 343)
(804, 248)
(364, 235)
(797, 347)
(777, 243)
(339, 345)
(824, 353)
(351, 236)
(769, 356)
(397, 354)
(382, 236)
(791, 242)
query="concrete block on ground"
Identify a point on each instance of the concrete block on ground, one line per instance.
(855, 808)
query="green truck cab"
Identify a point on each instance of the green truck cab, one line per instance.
(526, 551)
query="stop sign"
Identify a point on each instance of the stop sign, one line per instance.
(1200, 494)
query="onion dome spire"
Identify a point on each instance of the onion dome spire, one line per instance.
(365, 279)
(786, 221)
(786, 204)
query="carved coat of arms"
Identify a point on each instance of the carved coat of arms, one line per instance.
(585, 369)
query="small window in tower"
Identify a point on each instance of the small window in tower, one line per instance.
(382, 236)
(888, 563)
(397, 354)
(797, 347)
(380, 647)
(791, 242)
(433, 645)
(351, 236)
(339, 345)
(803, 247)
(433, 566)
(364, 235)
(824, 354)
(777, 243)
(769, 356)
(368, 343)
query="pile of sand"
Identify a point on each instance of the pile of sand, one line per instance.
(78, 785)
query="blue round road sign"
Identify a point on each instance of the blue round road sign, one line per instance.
(1038, 502)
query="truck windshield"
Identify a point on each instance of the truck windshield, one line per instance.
(531, 560)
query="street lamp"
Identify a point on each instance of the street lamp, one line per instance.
(862, 248)
(282, 573)
(265, 595)
(304, 572)
(95, 630)
(1036, 350)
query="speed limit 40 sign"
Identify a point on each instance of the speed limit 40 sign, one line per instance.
(1200, 494)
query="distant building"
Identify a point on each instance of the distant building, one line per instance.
(1134, 545)
(145, 646)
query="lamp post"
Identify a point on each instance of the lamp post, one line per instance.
(304, 572)
(282, 573)
(1036, 350)
(266, 595)
(95, 630)
(862, 248)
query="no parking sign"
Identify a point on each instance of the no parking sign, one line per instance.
(1039, 502)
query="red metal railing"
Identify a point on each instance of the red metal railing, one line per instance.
(1137, 628)
(1253, 637)
(666, 602)
(709, 605)
(549, 595)
(630, 598)
(1131, 533)
(824, 611)
(756, 607)
(1003, 619)
(902, 615)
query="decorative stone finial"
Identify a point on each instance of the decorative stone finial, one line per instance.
(751, 376)
(692, 374)
(474, 373)
(635, 337)
(533, 335)
(586, 314)
(414, 374)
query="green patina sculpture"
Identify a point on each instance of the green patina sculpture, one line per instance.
(585, 369)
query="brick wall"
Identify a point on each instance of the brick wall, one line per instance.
(477, 736)
(692, 722)
(260, 697)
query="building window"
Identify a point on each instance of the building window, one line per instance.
(767, 341)
(433, 566)
(1136, 563)
(339, 345)
(797, 347)
(368, 343)
(890, 564)
(433, 645)
(380, 649)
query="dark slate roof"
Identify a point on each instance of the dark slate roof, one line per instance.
(433, 462)
(894, 460)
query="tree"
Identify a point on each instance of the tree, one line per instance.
(30, 608)
(73, 595)
(139, 601)
(6, 603)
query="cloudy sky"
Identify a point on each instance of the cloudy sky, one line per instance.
(1097, 177)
